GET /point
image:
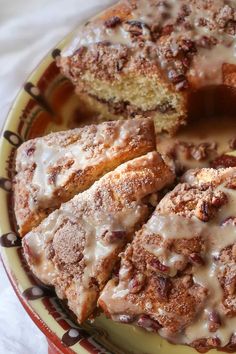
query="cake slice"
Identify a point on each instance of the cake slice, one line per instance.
(178, 276)
(76, 247)
(52, 169)
(145, 57)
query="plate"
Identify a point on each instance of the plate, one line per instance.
(47, 103)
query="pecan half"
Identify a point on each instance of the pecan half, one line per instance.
(214, 321)
(137, 283)
(112, 22)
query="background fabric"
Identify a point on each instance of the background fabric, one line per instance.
(28, 30)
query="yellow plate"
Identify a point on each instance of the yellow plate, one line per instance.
(47, 103)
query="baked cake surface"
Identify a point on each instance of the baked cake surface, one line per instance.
(143, 57)
(76, 247)
(52, 169)
(178, 276)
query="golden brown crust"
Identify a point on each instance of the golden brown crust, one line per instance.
(76, 247)
(78, 158)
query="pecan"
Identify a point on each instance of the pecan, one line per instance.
(214, 342)
(114, 236)
(214, 321)
(136, 284)
(203, 213)
(219, 199)
(202, 22)
(30, 151)
(148, 323)
(175, 77)
(112, 22)
(196, 259)
(135, 27)
(188, 46)
(224, 161)
(232, 144)
(163, 287)
(157, 265)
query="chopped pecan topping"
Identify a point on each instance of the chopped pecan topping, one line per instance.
(214, 342)
(157, 265)
(188, 46)
(137, 283)
(30, 151)
(114, 236)
(214, 321)
(137, 29)
(163, 287)
(112, 22)
(203, 211)
(196, 259)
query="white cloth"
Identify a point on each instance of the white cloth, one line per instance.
(28, 30)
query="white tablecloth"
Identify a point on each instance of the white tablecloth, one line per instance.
(28, 30)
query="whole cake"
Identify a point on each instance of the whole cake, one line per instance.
(144, 57)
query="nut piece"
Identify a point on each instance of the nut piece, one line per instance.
(112, 22)
(214, 321)
(136, 284)
(149, 324)
(196, 259)
(114, 236)
(163, 287)
(157, 265)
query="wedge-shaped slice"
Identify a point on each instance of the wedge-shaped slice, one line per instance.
(178, 276)
(76, 247)
(52, 169)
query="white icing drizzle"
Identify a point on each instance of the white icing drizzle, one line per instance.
(216, 237)
(83, 153)
(95, 250)
(148, 12)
